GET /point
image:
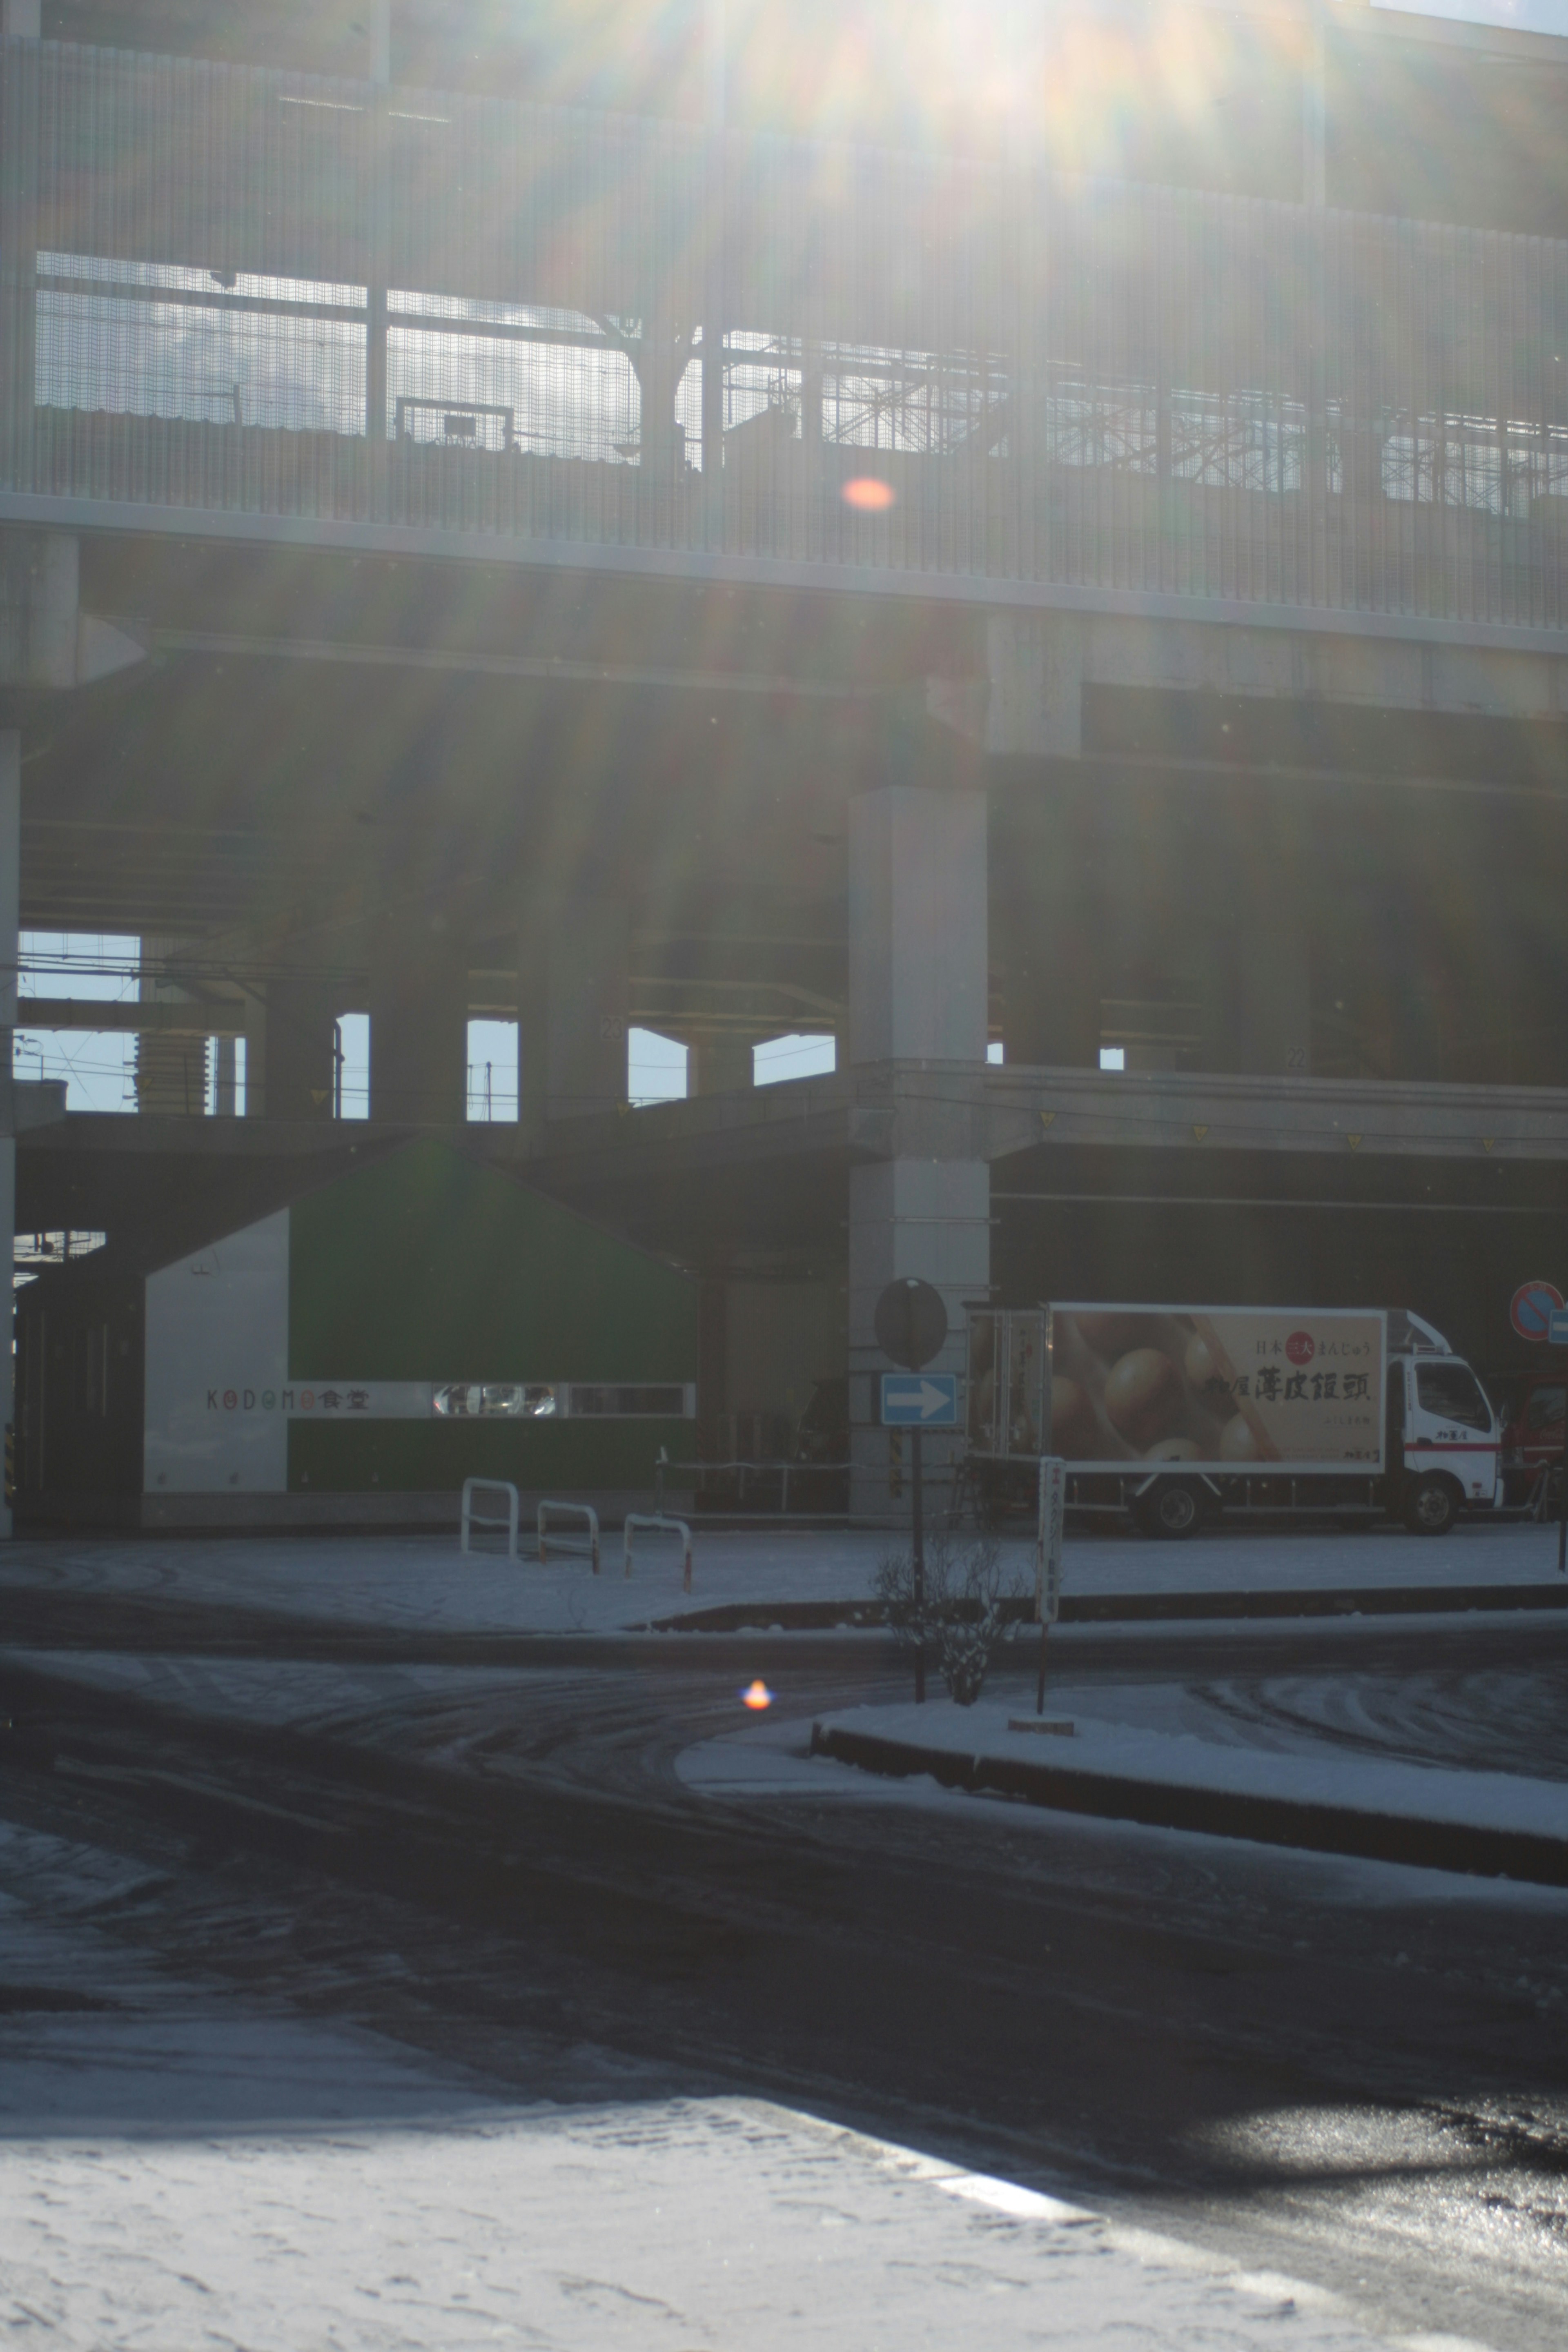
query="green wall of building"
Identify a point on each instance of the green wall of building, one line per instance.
(426, 1266)
(433, 1456)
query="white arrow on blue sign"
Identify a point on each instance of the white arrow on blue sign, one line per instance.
(1557, 1327)
(920, 1400)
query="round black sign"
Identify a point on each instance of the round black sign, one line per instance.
(911, 1322)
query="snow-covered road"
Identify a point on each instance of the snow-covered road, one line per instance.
(403, 1992)
(180, 2169)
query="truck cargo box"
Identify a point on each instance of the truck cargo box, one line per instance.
(1215, 1389)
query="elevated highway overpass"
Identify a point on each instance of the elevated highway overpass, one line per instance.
(675, 565)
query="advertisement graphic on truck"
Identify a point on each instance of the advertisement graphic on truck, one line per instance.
(1219, 1388)
(1175, 1413)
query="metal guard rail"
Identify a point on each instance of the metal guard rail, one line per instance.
(264, 294)
(694, 1473)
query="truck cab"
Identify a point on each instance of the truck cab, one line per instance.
(1444, 1443)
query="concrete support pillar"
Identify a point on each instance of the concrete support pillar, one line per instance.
(925, 1217)
(45, 639)
(1274, 995)
(1275, 1003)
(10, 918)
(288, 1051)
(418, 1026)
(171, 1064)
(720, 1065)
(20, 118)
(39, 608)
(574, 1033)
(918, 996)
(1414, 990)
(1050, 946)
(1051, 994)
(919, 968)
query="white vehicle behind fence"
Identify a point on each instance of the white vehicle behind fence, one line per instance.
(1177, 1414)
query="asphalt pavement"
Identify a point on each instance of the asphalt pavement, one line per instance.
(1347, 2073)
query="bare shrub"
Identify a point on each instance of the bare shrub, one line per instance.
(966, 1617)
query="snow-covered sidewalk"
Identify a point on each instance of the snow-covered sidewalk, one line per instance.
(422, 1583)
(179, 2167)
(1308, 1777)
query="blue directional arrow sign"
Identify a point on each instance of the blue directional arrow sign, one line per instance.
(1557, 1327)
(920, 1400)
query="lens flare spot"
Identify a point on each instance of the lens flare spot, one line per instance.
(867, 495)
(757, 1697)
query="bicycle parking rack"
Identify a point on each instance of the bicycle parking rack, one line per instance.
(488, 1519)
(574, 1546)
(656, 1523)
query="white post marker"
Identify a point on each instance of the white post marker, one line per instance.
(1048, 1539)
(575, 1544)
(1053, 1494)
(472, 1518)
(654, 1523)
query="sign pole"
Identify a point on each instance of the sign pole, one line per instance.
(1040, 1542)
(1536, 1296)
(1043, 1537)
(1048, 1570)
(917, 1471)
(912, 1325)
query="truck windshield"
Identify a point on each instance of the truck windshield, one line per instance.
(1453, 1392)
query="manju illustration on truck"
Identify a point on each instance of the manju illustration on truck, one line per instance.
(1178, 1414)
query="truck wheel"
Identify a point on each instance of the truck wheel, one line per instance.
(1431, 1505)
(1172, 1509)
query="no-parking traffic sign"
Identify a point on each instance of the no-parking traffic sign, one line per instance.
(1530, 1310)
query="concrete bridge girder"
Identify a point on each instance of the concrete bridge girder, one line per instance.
(1038, 665)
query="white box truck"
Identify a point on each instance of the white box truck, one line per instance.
(1178, 1414)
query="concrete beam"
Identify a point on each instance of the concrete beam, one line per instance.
(1194, 1114)
(1038, 665)
(955, 1112)
(977, 594)
(1216, 657)
(209, 1016)
(549, 669)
